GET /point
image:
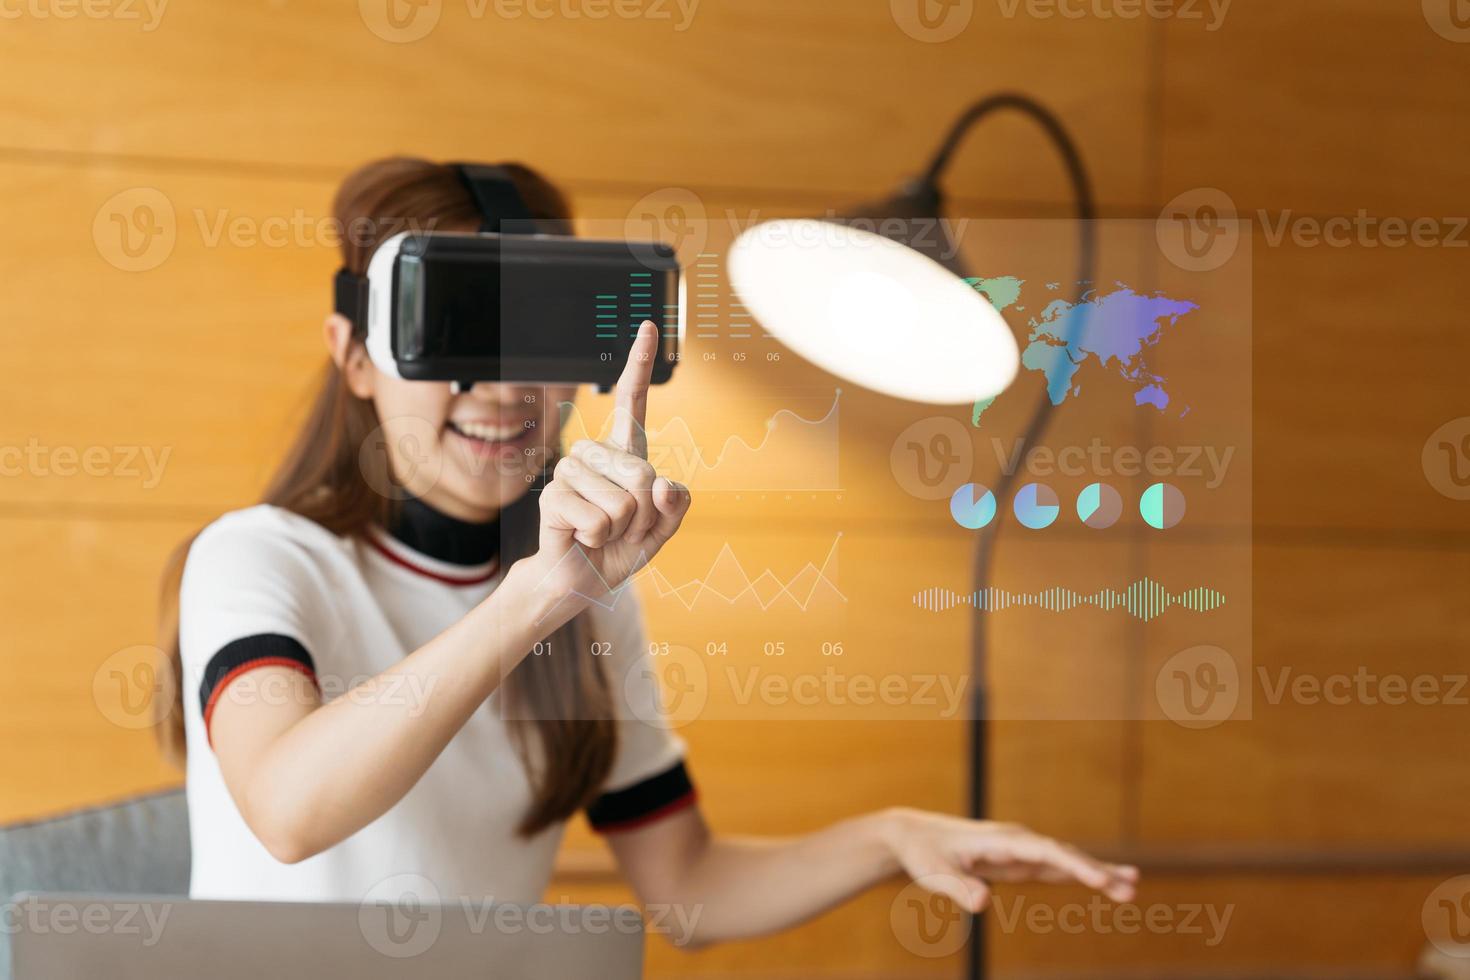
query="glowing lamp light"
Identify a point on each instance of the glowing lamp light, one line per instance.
(873, 311)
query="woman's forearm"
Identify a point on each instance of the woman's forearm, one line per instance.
(346, 763)
(738, 887)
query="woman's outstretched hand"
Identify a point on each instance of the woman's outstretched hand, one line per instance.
(960, 858)
(606, 512)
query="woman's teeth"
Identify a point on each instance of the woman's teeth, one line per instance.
(488, 433)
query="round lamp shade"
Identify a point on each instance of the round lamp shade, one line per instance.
(873, 312)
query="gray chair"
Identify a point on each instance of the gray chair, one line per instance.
(139, 846)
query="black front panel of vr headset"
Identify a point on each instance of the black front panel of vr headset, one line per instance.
(518, 308)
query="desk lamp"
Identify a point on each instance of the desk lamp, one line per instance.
(889, 310)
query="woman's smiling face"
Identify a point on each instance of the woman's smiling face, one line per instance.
(468, 454)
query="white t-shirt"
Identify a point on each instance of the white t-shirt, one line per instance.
(267, 586)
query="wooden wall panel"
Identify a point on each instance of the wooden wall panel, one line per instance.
(794, 108)
(768, 94)
(1304, 769)
(1325, 107)
(77, 597)
(1291, 926)
(1356, 355)
(200, 362)
(1295, 926)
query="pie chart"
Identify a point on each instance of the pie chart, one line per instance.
(1036, 506)
(1162, 506)
(1099, 506)
(972, 506)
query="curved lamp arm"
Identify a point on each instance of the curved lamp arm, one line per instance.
(928, 184)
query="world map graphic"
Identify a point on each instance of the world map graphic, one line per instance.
(1117, 330)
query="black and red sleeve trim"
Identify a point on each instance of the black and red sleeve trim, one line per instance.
(244, 655)
(643, 803)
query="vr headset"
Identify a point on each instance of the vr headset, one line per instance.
(513, 303)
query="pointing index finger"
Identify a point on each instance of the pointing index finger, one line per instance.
(628, 431)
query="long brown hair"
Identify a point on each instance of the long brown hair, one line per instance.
(561, 717)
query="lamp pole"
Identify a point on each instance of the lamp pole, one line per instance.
(927, 187)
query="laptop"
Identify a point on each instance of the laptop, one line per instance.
(83, 936)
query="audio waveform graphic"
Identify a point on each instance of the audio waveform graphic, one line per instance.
(1145, 599)
(795, 453)
(726, 581)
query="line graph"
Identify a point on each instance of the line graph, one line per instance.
(793, 453)
(727, 580)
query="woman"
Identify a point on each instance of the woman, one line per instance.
(374, 686)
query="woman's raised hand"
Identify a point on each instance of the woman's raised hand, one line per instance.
(605, 512)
